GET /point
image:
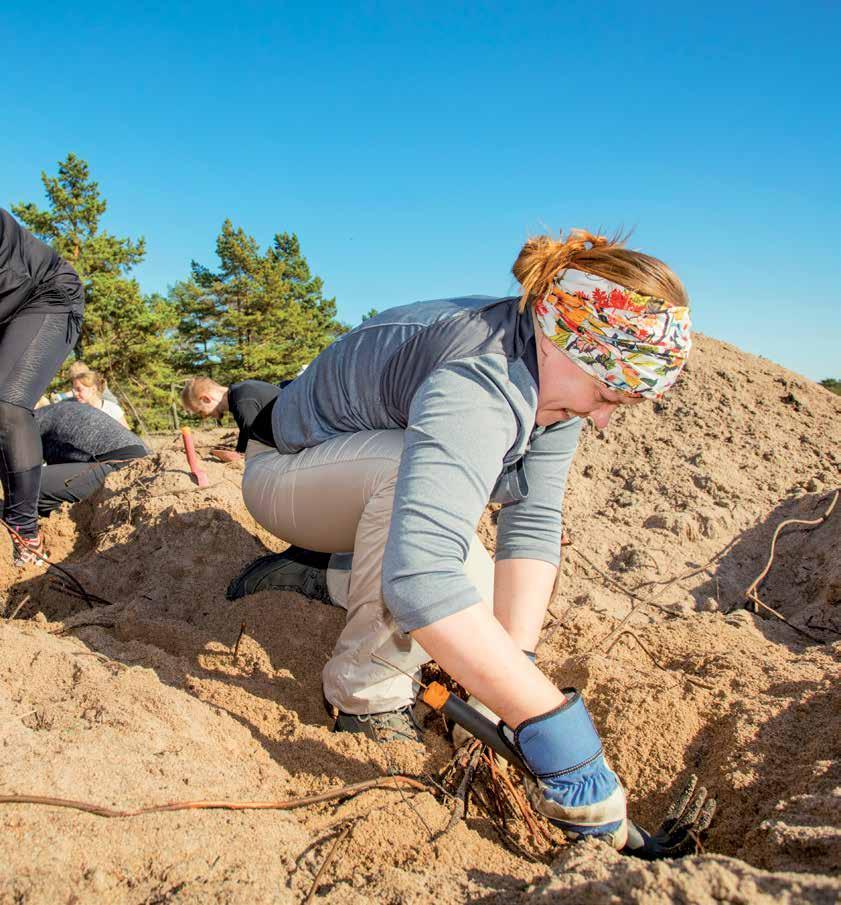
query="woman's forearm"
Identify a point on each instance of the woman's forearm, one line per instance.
(522, 588)
(475, 649)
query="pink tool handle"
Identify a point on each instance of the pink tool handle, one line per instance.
(192, 458)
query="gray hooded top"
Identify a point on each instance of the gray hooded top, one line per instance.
(459, 376)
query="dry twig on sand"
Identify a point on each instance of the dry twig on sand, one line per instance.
(654, 660)
(620, 587)
(51, 565)
(752, 592)
(239, 638)
(330, 855)
(381, 782)
(26, 598)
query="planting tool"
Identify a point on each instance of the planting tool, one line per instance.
(679, 834)
(479, 726)
(436, 696)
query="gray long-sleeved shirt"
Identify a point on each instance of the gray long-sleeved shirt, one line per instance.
(460, 377)
(74, 432)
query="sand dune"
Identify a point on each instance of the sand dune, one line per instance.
(142, 701)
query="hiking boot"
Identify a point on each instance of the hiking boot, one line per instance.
(28, 551)
(302, 571)
(391, 726)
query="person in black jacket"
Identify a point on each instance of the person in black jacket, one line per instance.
(41, 305)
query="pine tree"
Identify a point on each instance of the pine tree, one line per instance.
(196, 309)
(71, 226)
(260, 315)
(124, 335)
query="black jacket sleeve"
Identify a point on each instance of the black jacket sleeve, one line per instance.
(27, 267)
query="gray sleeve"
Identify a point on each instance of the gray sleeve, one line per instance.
(459, 429)
(531, 528)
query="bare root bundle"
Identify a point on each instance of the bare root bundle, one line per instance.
(475, 774)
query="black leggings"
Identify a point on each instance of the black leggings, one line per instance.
(33, 346)
(72, 482)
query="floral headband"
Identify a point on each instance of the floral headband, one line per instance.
(634, 343)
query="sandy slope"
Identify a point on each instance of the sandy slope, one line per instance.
(676, 503)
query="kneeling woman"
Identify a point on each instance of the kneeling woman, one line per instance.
(398, 435)
(82, 446)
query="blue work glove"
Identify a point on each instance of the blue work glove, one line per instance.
(572, 784)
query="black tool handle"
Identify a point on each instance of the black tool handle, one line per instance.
(482, 728)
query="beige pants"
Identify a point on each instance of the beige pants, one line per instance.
(336, 498)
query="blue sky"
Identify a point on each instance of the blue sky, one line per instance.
(413, 146)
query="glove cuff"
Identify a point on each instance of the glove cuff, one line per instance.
(560, 742)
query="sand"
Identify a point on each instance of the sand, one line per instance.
(670, 512)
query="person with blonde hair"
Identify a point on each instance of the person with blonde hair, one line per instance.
(250, 403)
(390, 446)
(76, 369)
(89, 388)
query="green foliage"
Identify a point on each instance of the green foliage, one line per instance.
(832, 384)
(261, 314)
(124, 335)
(197, 321)
(71, 225)
(371, 313)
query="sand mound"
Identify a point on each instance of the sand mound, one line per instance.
(671, 513)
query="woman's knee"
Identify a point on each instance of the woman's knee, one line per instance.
(12, 416)
(317, 497)
(18, 430)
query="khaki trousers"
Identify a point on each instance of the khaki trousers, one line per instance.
(336, 498)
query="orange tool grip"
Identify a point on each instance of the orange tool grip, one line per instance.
(435, 695)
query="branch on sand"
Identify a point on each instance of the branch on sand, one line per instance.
(654, 660)
(752, 592)
(382, 782)
(612, 582)
(330, 855)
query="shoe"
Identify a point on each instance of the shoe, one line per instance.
(391, 726)
(295, 569)
(28, 551)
